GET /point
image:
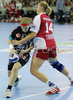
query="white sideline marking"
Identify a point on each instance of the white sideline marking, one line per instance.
(59, 50)
(29, 96)
(5, 50)
(39, 94)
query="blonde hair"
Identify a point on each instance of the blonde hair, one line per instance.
(25, 20)
(46, 7)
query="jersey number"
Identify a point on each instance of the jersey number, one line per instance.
(49, 28)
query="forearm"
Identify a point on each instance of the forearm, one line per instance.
(27, 38)
(30, 48)
(27, 50)
(10, 44)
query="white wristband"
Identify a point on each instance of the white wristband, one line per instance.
(11, 46)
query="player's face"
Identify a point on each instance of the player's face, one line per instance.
(25, 28)
(38, 9)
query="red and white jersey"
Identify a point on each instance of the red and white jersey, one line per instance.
(43, 27)
(12, 7)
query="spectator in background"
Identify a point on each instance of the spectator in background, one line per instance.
(1, 5)
(35, 12)
(52, 15)
(69, 2)
(60, 7)
(5, 16)
(0, 15)
(67, 19)
(30, 13)
(25, 12)
(27, 3)
(23, 4)
(55, 1)
(6, 5)
(66, 2)
(71, 13)
(19, 10)
(12, 7)
(51, 2)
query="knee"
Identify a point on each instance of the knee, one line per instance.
(15, 68)
(57, 65)
(33, 72)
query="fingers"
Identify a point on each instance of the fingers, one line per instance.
(20, 54)
(12, 52)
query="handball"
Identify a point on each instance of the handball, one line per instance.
(14, 58)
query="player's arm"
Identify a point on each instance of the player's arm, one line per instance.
(25, 51)
(27, 38)
(34, 30)
(11, 47)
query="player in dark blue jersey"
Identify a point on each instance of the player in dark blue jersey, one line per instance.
(17, 34)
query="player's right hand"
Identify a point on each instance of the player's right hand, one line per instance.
(12, 52)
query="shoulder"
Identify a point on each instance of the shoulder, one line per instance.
(36, 17)
(39, 16)
(19, 28)
(14, 30)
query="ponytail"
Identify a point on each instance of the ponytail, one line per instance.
(46, 7)
(48, 11)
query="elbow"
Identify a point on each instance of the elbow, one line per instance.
(9, 41)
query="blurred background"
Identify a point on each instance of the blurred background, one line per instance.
(13, 10)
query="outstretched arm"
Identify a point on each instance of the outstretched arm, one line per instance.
(27, 38)
(24, 51)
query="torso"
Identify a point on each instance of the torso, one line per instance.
(18, 34)
(43, 26)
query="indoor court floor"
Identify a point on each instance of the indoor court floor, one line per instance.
(30, 88)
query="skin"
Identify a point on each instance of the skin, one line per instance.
(36, 63)
(14, 72)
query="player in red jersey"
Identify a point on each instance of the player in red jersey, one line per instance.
(45, 47)
(12, 7)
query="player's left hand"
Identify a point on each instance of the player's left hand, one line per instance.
(15, 42)
(24, 51)
(20, 54)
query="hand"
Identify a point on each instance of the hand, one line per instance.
(15, 42)
(12, 52)
(20, 54)
(24, 51)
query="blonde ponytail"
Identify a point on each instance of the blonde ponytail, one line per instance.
(48, 10)
(46, 7)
